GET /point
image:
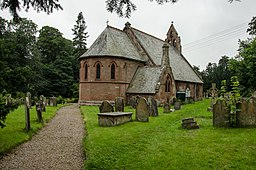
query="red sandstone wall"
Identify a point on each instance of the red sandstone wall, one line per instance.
(105, 88)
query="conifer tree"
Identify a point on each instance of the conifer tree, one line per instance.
(79, 31)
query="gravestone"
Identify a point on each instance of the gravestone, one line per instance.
(106, 107)
(254, 94)
(153, 111)
(27, 106)
(177, 105)
(43, 102)
(220, 114)
(132, 102)
(119, 104)
(53, 101)
(246, 113)
(39, 111)
(29, 100)
(142, 110)
(167, 107)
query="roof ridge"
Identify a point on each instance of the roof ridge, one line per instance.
(147, 34)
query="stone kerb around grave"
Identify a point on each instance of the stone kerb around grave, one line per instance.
(142, 110)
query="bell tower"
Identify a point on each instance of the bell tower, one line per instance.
(173, 38)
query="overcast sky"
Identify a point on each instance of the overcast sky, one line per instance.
(197, 23)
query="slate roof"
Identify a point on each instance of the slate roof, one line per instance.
(181, 69)
(113, 42)
(145, 80)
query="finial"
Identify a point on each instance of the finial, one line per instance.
(127, 24)
(172, 22)
(107, 22)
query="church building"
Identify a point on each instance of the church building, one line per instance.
(129, 62)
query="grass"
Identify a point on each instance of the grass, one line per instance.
(163, 144)
(14, 133)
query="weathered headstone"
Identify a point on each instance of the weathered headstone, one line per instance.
(142, 110)
(167, 107)
(119, 104)
(254, 94)
(177, 105)
(27, 105)
(106, 107)
(53, 101)
(220, 114)
(39, 111)
(29, 100)
(132, 102)
(43, 102)
(153, 111)
(246, 113)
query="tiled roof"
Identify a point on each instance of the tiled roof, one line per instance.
(113, 42)
(145, 80)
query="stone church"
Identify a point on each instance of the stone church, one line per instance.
(130, 62)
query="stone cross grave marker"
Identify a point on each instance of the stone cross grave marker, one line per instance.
(119, 104)
(153, 111)
(142, 110)
(106, 107)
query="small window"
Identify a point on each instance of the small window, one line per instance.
(98, 71)
(86, 72)
(168, 85)
(113, 71)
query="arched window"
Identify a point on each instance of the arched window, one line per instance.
(168, 85)
(98, 71)
(113, 71)
(86, 72)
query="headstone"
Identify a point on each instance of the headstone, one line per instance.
(27, 114)
(132, 102)
(53, 101)
(43, 102)
(106, 107)
(142, 110)
(29, 104)
(167, 107)
(39, 111)
(177, 105)
(246, 113)
(220, 114)
(119, 104)
(153, 111)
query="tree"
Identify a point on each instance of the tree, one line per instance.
(122, 8)
(79, 31)
(39, 5)
(252, 27)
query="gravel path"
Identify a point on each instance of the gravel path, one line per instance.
(57, 146)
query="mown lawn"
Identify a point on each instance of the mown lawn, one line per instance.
(163, 144)
(14, 134)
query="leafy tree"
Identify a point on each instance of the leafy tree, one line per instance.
(122, 8)
(56, 54)
(39, 5)
(244, 66)
(79, 31)
(252, 27)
